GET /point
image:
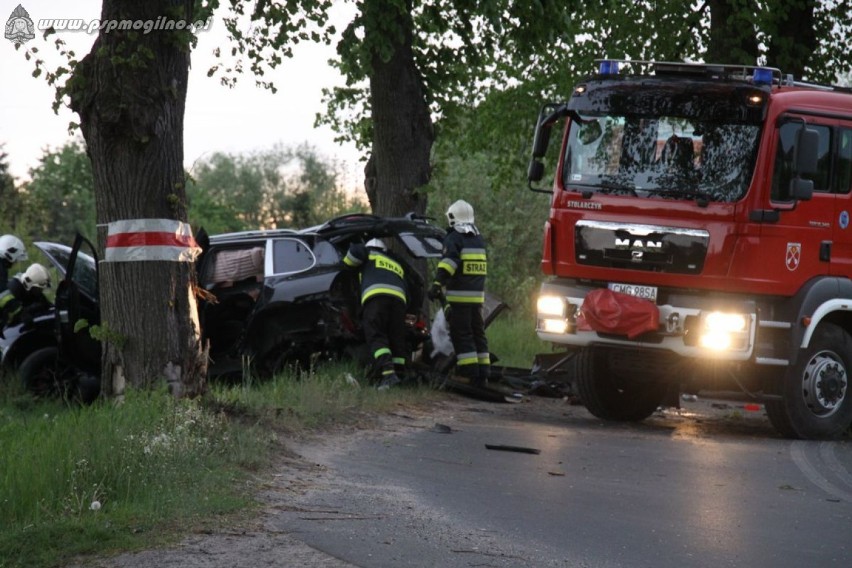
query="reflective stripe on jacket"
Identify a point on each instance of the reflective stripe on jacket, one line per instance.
(463, 268)
(380, 272)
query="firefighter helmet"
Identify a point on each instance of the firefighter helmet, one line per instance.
(36, 276)
(377, 244)
(12, 248)
(460, 212)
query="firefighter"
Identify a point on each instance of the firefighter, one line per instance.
(383, 301)
(24, 298)
(462, 271)
(11, 251)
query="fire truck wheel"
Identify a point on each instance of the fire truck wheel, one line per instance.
(612, 397)
(816, 402)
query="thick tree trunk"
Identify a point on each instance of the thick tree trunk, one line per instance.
(792, 36)
(130, 93)
(732, 32)
(402, 125)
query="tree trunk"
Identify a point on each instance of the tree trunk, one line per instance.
(792, 37)
(732, 32)
(130, 93)
(402, 125)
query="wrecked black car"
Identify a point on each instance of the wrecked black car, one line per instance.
(270, 299)
(284, 296)
(49, 353)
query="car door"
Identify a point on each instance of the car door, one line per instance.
(77, 305)
(797, 247)
(841, 254)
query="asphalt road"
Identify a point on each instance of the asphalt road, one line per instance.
(709, 485)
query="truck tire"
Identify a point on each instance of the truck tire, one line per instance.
(612, 397)
(40, 373)
(816, 402)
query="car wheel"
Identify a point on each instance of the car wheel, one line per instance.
(612, 397)
(87, 387)
(816, 402)
(40, 373)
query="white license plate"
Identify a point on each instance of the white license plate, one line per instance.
(644, 292)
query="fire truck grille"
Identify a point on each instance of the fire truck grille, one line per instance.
(640, 247)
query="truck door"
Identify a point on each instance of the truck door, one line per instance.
(841, 254)
(797, 246)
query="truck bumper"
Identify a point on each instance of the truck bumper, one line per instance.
(718, 327)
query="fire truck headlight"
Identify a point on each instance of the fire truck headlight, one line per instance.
(552, 314)
(721, 331)
(551, 306)
(553, 325)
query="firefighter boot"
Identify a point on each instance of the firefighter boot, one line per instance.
(389, 381)
(484, 374)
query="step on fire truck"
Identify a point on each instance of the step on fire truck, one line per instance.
(699, 240)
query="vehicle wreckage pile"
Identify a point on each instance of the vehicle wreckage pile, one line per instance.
(276, 298)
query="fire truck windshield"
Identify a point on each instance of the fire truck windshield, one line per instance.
(665, 156)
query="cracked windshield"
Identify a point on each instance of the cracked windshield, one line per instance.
(666, 156)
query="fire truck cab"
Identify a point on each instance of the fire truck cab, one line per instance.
(699, 240)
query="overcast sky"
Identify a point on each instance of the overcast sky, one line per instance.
(242, 119)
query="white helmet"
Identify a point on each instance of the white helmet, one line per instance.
(36, 276)
(460, 212)
(12, 248)
(376, 244)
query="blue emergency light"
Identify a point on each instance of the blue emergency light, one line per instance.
(762, 76)
(609, 67)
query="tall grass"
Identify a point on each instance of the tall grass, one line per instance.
(512, 338)
(77, 480)
(84, 480)
(298, 400)
(102, 478)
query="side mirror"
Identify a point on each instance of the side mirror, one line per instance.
(541, 138)
(801, 189)
(535, 171)
(807, 149)
(549, 113)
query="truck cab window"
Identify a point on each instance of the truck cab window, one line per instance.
(785, 155)
(843, 179)
(667, 156)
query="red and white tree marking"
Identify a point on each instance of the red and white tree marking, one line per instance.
(135, 240)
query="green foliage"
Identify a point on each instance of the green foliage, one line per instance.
(7, 182)
(513, 340)
(103, 333)
(81, 480)
(10, 197)
(279, 187)
(59, 201)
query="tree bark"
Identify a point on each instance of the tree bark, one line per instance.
(130, 94)
(732, 32)
(402, 125)
(792, 37)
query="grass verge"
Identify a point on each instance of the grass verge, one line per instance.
(94, 480)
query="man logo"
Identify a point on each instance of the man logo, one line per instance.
(638, 244)
(19, 26)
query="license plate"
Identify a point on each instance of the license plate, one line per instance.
(644, 292)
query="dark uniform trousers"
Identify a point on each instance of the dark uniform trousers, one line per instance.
(383, 319)
(467, 333)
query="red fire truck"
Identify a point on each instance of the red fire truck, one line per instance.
(699, 240)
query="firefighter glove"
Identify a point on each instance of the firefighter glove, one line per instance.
(435, 291)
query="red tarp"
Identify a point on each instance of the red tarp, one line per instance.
(606, 311)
